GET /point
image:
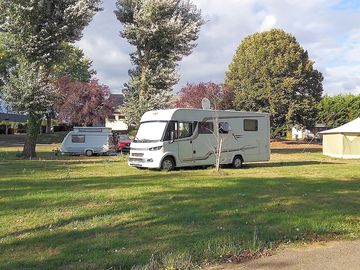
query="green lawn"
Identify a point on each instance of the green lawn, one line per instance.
(97, 213)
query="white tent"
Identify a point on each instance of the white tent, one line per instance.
(343, 141)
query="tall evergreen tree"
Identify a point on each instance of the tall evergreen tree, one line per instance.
(163, 32)
(35, 31)
(271, 72)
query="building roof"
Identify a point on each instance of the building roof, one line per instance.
(351, 127)
(13, 117)
(118, 98)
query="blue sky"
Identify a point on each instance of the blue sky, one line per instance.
(347, 4)
(328, 29)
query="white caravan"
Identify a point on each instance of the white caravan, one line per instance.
(88, 141)
(185, 137)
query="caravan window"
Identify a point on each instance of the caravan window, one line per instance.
(250, 125)
(206, 127)
(78, 138)
(224, 128)
(185, 129)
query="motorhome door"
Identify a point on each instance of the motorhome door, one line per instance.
(203, 144)
(185, 131)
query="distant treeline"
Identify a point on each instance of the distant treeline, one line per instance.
(338, 110)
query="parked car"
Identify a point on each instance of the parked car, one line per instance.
(123, 143)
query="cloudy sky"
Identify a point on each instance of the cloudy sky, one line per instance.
(328, 29)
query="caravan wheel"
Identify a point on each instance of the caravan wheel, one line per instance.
(89, 153)
(237, 162)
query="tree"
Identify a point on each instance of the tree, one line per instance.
(220, 96)
(74, 64)
(83, 103)
(7, 62)
(272, 73)
(35, 32)
(28, 91)
(163, 32)
(338, 110)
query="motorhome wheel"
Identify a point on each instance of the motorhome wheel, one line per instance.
(168, 164)
(237, 162)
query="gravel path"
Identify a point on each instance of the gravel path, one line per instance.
(329, 256)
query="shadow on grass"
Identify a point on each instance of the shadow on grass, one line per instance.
(286, 164)
(171, 213)
(265, 165)
(295, 150)
(24, 168)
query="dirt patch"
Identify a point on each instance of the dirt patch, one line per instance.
(276, 144)
(321, 256)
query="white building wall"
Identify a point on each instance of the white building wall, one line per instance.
(116, 125)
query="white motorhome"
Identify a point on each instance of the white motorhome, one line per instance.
(185, 137)
(88, 141)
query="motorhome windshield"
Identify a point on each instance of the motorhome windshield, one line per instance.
(150, 132)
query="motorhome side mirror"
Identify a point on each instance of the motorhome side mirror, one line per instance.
(172, 136)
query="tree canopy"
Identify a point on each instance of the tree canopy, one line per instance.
(27, 91)
(162, 32)
(74, 64)
(37, 29)
(35, 32)
(191, 95)
(271, 72)
(7, 62)
(83, 103)
(338, 110)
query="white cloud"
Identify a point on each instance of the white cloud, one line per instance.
(346, 78)
(268, 23)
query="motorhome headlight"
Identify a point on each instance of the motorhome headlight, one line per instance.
(157, 148)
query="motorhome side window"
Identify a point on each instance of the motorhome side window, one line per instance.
(185, 129)
(206, 127)
(250, 125)
(172, 127)
(78, 138)
(224, 128)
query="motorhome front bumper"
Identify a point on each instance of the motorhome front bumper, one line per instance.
(141, 160)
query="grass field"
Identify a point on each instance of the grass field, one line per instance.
(97, 213)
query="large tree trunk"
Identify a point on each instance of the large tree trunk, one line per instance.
(48, 123)
(32, 134)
